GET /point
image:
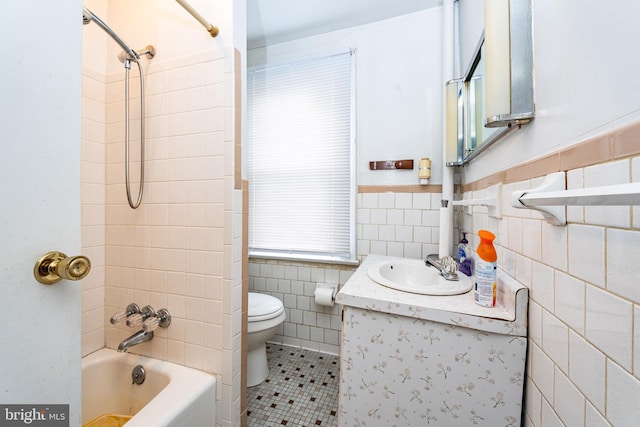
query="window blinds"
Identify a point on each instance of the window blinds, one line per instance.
(300, 159)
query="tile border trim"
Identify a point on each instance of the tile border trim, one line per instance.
(431, 188)
(623, 142)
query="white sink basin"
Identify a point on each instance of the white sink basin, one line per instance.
(412, 275)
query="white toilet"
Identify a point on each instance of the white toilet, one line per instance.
(266, 313)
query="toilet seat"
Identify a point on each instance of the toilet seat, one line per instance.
(263, 307)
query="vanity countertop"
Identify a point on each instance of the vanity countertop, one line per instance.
(509, 316)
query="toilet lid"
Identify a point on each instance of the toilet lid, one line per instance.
(264, 306)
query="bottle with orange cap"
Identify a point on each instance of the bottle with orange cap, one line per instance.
(485, 271)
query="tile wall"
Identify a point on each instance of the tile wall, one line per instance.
(403, 224)
(169, 252)
(584, 310)
(398, 224)
(182, 249)
(93, 211)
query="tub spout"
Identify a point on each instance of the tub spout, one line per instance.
(135, 339)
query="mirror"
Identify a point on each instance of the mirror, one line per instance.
(466, 113)
(477, 134)
(501, 66)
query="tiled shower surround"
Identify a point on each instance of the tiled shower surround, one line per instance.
(401, 224)
(177, 249)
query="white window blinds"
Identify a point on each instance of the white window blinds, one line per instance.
(300, 159)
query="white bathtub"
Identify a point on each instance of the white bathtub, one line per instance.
(171, 395)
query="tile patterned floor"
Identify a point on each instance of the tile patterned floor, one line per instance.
(301, 390)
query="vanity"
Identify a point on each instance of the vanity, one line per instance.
(410, 359)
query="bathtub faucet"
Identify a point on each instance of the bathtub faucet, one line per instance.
(135, 339)
(145, 317)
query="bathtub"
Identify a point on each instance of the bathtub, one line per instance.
(171, 395)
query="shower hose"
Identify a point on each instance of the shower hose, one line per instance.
(127, 66)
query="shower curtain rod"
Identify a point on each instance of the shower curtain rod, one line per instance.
(210, 28)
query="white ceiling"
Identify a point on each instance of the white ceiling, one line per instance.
(276, 21)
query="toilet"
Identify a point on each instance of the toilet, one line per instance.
(266, 314)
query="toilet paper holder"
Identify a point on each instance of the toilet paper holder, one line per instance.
(325, 294)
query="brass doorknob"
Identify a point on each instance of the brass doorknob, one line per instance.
(55, 266)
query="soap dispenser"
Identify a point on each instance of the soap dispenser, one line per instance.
(465, 263)
(462, 248)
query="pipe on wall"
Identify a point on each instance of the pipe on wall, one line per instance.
(448, 61)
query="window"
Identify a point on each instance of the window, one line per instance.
(300, 160)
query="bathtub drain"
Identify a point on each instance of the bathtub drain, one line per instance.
(138, 375)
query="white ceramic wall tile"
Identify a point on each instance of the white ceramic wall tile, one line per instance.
(554, 246)
(395, 216)
(370, 200)
(636, 340)
(386, 200)
(587, 253)
(569, 403)
(623, 249)
(542, 372)
(569, 301)
(404, 200)
(549, 417)
(609, 325)
(421, 201)
(515, 235)
(555, 340)
(593, 418)
(533, 402)
(535, 322)
(93, 172)
(523, 270)
(543, 285)
(622, 396)
(531, 243)
(431, 218)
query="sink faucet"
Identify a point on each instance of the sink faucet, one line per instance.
(447, 266)
(135, 339)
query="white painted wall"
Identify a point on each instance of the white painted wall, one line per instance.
(585, 61)
(167, 26)
(399, 89)
(40, 112)
(471, 15)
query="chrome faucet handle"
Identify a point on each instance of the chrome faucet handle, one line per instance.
(137, 319)
(120, 317)
(449, 268)
(449, 265)
(161, 319)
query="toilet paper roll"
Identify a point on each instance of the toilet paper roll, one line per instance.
(324, 296)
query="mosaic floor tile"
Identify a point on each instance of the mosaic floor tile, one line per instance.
(301, 390)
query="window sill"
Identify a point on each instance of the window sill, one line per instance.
(314, 259)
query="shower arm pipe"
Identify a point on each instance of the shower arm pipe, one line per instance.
(91, 16)
(551, 197)
(210, 28)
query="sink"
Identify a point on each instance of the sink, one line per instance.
(413, 275)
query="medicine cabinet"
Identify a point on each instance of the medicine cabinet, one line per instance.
(495, 95)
